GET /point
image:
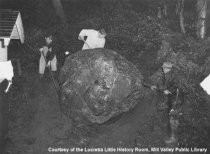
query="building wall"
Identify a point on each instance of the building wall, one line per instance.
(3, 115)
(3, 54)
(3, 50)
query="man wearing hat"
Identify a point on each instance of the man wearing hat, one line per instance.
(92, 38)
(167, 89)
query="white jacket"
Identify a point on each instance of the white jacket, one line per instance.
(6, 72)
(205, 84)
(93, 40)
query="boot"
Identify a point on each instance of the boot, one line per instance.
(173, 139)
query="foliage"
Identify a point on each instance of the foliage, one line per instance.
(188, 58)
(130, 32)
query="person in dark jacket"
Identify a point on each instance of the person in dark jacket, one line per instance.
(167, 87)
(48, 56)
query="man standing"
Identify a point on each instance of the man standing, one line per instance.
(167, 87)
(95, 39)
(48, 56)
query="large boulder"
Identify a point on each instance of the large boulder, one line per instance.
(98, 84)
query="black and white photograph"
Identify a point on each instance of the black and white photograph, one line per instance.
(104, 76)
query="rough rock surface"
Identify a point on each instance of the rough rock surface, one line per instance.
(98, 84)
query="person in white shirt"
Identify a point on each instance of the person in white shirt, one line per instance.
(95, 39)
(6, 72)
(48, 57)
(205, 84)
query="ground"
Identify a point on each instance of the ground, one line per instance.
(38, 124)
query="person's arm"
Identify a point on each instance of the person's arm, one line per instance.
(41, 50)
(51, 54)
(154, 82)
(158, 81)
(172, 89)
(173, 84)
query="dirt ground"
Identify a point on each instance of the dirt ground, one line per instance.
(38, 124)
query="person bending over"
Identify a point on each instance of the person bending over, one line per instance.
(92, 38)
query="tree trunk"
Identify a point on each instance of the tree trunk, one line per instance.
(201, 22)
(159, 15)
(165, 7)
(162, 9)
(181, 16)
(178, 7)
(59, 10)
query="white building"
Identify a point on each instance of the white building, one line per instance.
(11, 27)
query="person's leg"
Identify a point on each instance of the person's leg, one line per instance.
(174, 122)
(42, 65)
(163, 110)
(164, 122)
(173, 138)
(172, 125)
(54, 67)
